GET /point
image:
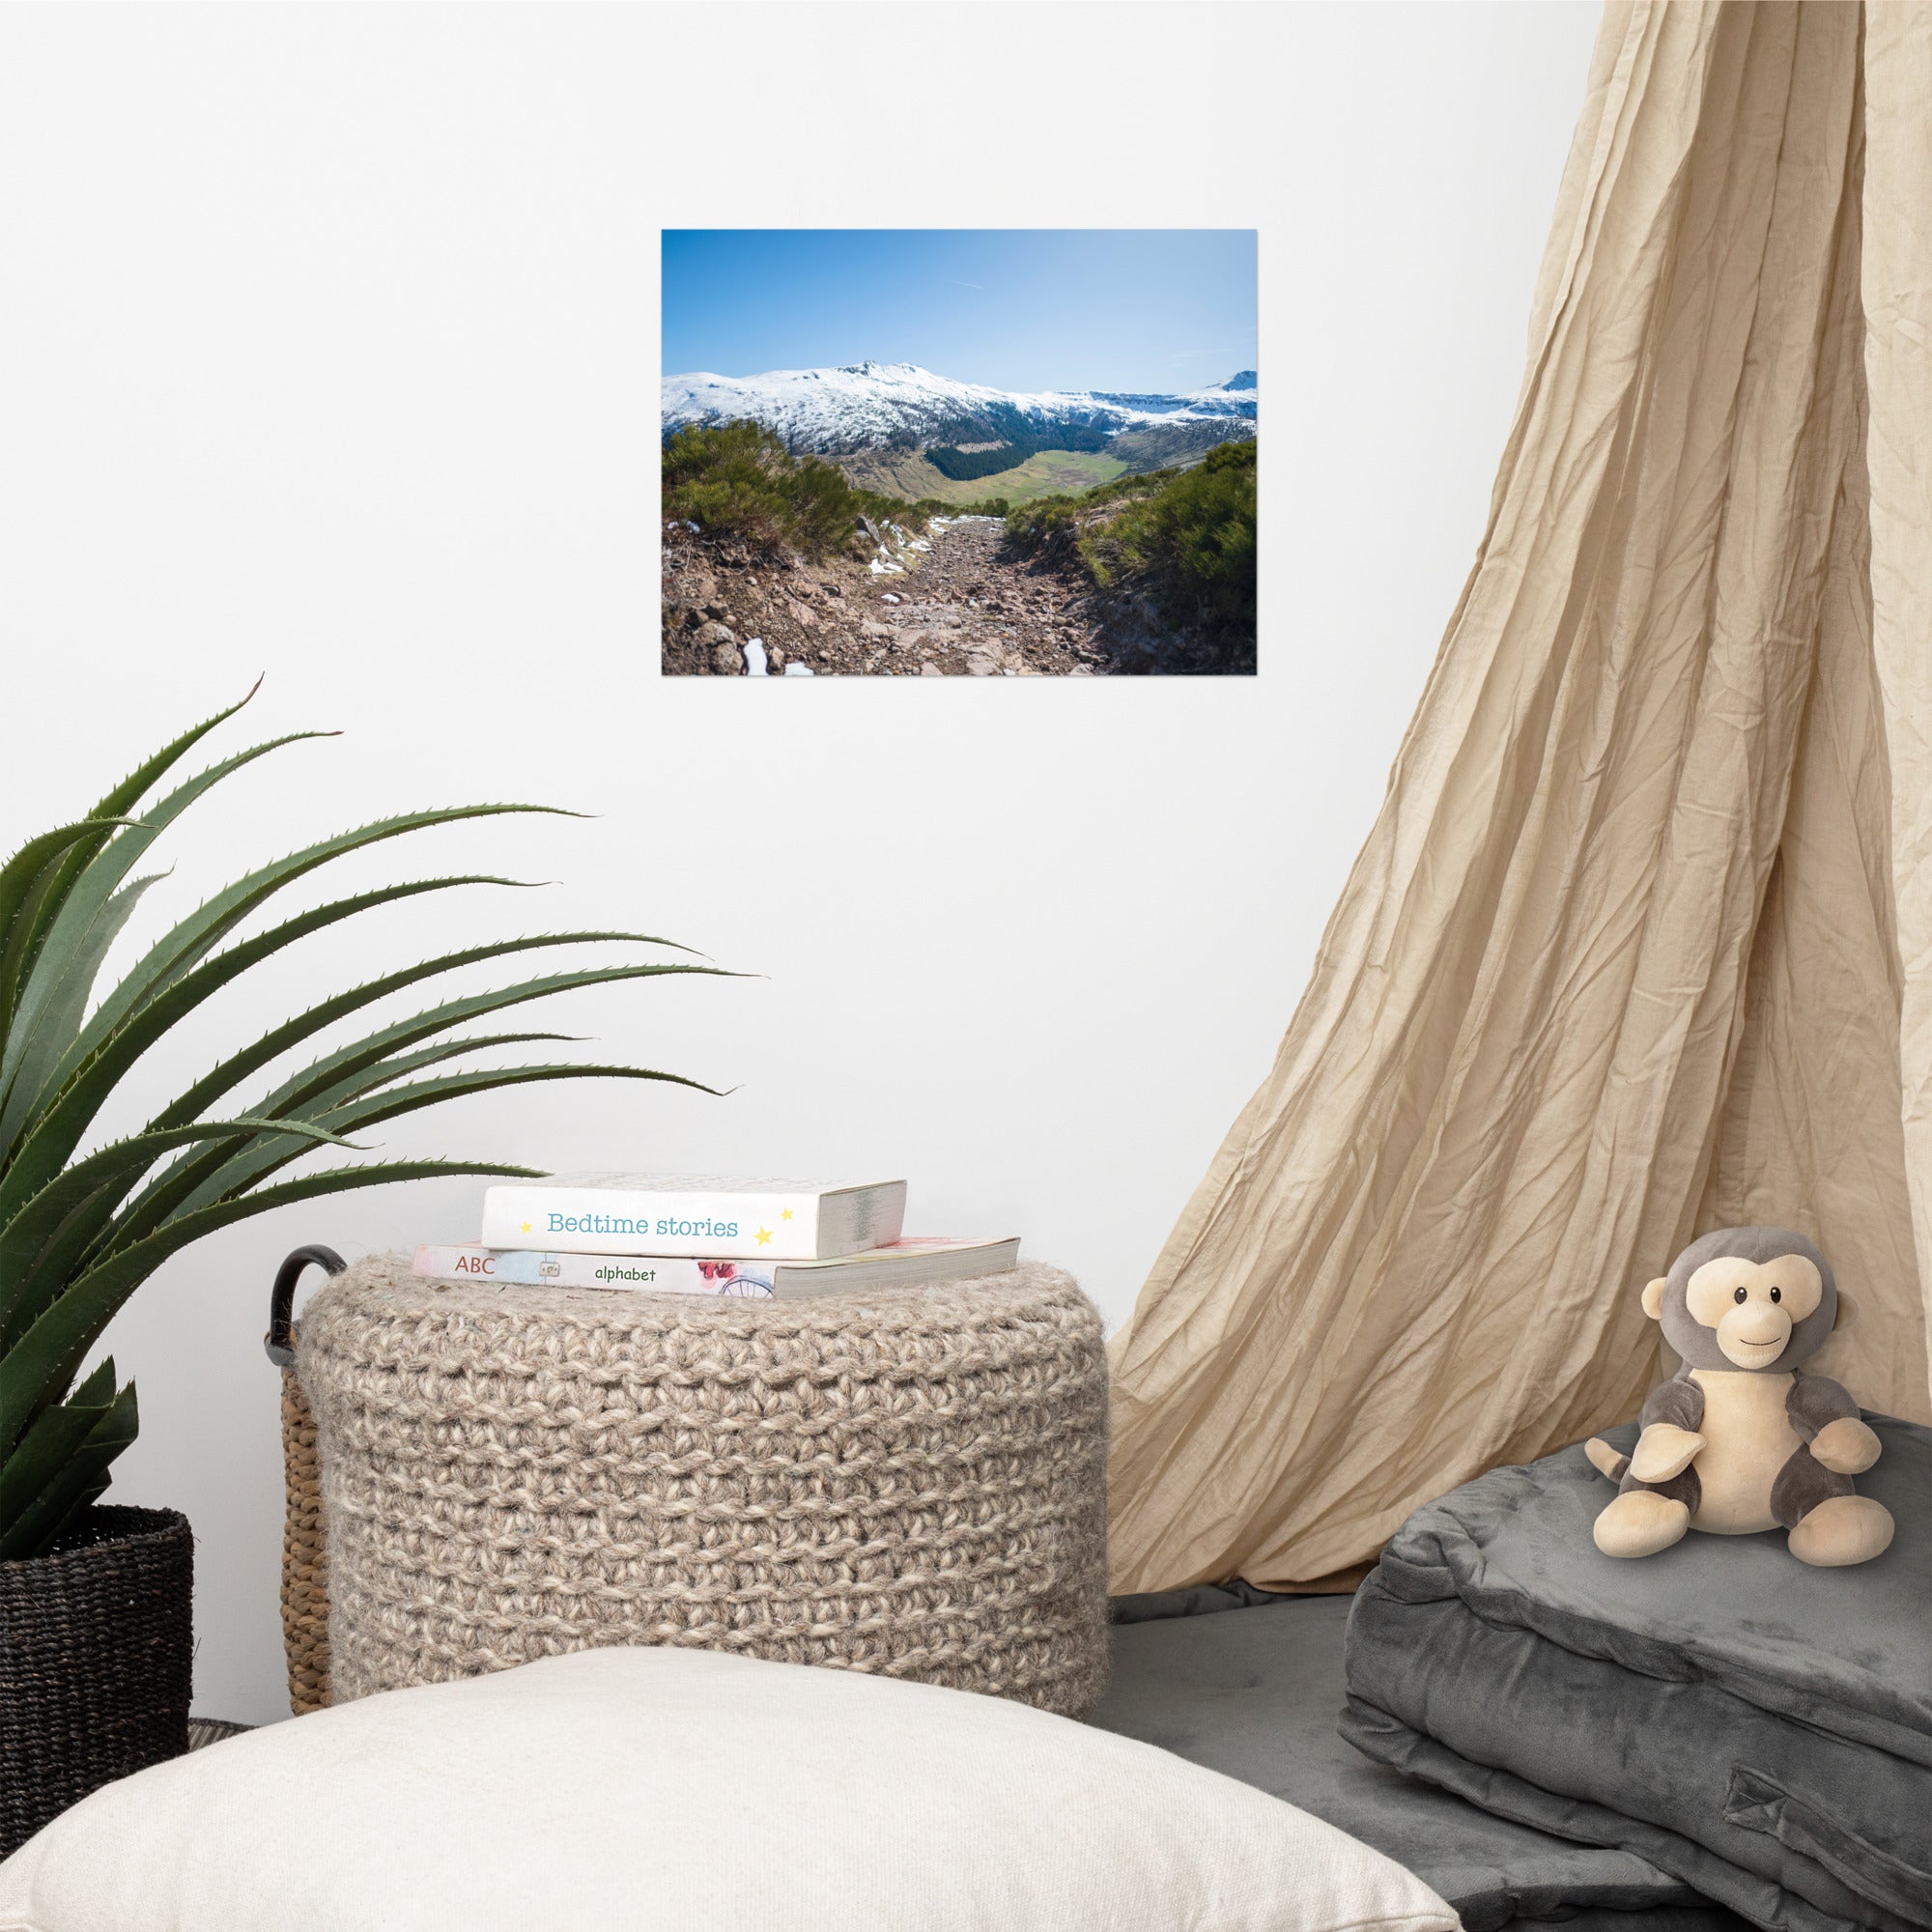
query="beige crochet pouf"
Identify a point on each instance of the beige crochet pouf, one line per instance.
(906, 1481)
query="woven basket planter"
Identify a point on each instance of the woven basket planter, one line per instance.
(910, 1481)
(97, 1656)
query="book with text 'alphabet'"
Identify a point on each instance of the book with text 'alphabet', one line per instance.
(918, 1260)
(696, 1216)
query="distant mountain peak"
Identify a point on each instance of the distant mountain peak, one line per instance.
(1244, 380)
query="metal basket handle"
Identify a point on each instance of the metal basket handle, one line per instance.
(280, 1341)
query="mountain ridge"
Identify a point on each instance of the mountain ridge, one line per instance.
(870, 406)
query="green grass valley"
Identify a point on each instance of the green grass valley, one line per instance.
(912, 476)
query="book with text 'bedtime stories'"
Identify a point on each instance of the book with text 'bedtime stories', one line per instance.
(694, 1215)
(911, 1263)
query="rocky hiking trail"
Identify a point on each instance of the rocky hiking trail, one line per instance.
(958, 602)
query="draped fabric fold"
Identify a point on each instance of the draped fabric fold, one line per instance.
(1637, 943)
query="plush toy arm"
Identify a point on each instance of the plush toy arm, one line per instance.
(1824, 1416)
(1669, 1442)
(1662, 1451)
(1679, 1402)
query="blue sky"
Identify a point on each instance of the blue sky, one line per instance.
(1084, 308)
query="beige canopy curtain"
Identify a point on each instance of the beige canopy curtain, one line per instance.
(1641, 940)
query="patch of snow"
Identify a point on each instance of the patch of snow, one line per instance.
(798, 670)
(756, 665)
(889, 598)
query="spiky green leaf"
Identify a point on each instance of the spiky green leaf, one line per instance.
(34, 864)
(262, 1156)
(51, 889)
(37, 1367)
(194, 937)
(58, 1128)
(63, 946)
(47, 1446)
(60, 1019)
(28, 1228)
(229, 1073)
(181, 1182)
(77, 1480)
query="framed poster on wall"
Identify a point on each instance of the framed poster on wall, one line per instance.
(959, 452)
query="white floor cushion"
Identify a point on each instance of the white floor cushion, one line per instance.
(633, 1790)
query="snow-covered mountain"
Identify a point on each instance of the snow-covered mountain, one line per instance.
(873, 404)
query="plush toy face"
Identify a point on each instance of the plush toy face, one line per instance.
(1760, 1300)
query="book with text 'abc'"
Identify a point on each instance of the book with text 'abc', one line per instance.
(914, 1262)
(695, 1215)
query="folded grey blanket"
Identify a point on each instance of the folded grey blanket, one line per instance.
(1249, 1683)
(1760, 1729)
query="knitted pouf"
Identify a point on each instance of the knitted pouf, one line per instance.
(909, 1481)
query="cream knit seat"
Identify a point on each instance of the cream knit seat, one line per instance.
(906, 1481)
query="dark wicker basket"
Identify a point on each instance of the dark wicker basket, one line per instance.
(95, 1660)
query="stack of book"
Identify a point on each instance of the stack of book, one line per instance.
(703, 1234)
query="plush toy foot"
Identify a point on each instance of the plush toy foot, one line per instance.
(1640, 1522)
(1605, 1461)
(1840, 1530)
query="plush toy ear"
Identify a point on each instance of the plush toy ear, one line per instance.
(1847, 1314)
(1653, 1296)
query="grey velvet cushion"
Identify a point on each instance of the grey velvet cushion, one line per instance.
(1250, 1685)
(1759, 1729)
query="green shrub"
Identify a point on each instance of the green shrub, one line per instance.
(1033, 523)
(1197, 531)
(740, 480)
(731, 480)
(1188, 533)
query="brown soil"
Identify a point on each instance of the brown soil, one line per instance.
(966, 606)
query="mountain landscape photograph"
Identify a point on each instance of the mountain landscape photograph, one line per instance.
(959, 452)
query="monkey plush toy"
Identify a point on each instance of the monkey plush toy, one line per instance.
(1741, 1438)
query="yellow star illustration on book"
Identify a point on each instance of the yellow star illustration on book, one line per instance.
(764, 1235)
(785, 1213)
(526, 1227)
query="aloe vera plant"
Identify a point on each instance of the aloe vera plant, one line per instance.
(80, 1232)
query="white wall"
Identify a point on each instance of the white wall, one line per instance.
(330, 349)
